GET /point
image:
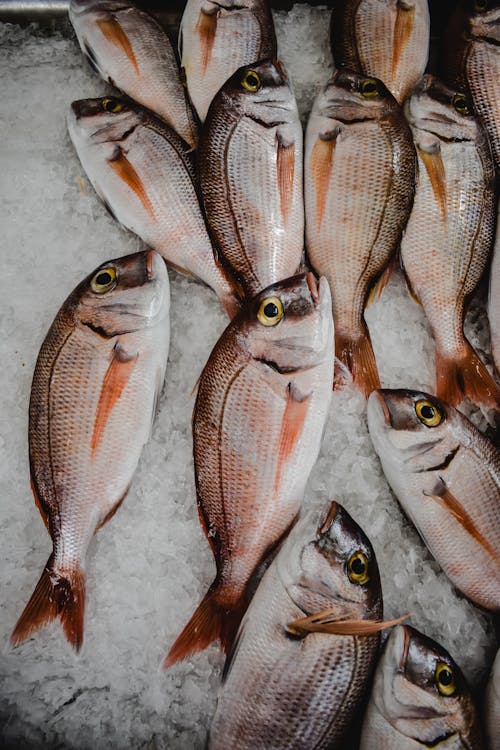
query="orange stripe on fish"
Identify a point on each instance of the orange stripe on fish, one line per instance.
(435, 169)
(116, 378)
(115, 34)
(206, 28)
(285, 164)
(329, 621)
(405, 20)
(127, 173)
(321, 170)
(291, 427)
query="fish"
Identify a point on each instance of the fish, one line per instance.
(388, 40)
(448, 238)
(258, 420)
(446, 476)
(288, 687)
(250, 164)
(492, 706)
(494, 297)
(129, 49)
(145, 176)
(419, 699)
(216, 38)
(359, 176)
(470, 60)
(95, 388)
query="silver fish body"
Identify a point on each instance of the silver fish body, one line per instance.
(144, 174)
(130, 50)
(447, 242)
(216, 37)
(492, 706)
(419, 699)
(283, 691)
(250, 161)
(446, 475)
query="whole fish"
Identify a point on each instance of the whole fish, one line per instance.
(419, 699)
(97, 380)
(130, 50)
(471, 58)
(388, 40)
(144, 174)
(257, 425)
(448, 238)
(290, 687)
(250, 162)
(216, 37)
(359, 182)
(492, 706)
(494, 297)
(446, 475)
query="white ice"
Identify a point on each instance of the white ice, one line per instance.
(149, 567)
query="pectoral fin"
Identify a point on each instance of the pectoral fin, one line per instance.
(127, 173)
(285, 164)
(405, 20)
(206, 28)
(331, 622)
(433, 163)
(114, 33)
(292, 423)
(321, 166)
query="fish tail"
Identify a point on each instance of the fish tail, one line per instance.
(465, 375)
(357, 355)
(57, 594)
(210, 621)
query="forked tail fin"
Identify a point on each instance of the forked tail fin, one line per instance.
(357, 355)
(463, 376)
(58, 594)
(210, 621)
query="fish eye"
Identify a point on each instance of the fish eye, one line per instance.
(270, 311)
(428, 413)
(104, 280)
(357, 568)
(445, 679)
(251, 81)
(461, 104)
(369, 87)
(111, 105)
(480, 4)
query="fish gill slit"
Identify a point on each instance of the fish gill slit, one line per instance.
(444, 464)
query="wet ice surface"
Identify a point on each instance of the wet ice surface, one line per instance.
(149, 568)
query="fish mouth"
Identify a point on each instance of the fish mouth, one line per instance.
(150, 261)
(406, 646)
(326, 525)
(313, 286)
(377, 406)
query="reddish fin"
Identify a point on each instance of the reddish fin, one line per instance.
(285, 166)
(405, 20)
(116, 378)
(291, 427)
(357, 354)
(115, 34)
(321, 166)
(60, 594)
(330, 622)
(206, 28)
(127, 173)
(210, 621)
(412, 291)
(465, 376)
(112, 512)
(382, 281)
(39, 505)
(435, 169)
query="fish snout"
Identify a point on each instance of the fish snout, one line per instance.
(378, 408)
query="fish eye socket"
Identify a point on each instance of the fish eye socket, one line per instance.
(428, 413)
(369, 87)
(251, 81)
(357, 568)
(445, 679)
(461, 104)
(270, 311)
(104, 280)
(111, 105)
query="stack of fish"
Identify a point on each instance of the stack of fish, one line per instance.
(210, 176)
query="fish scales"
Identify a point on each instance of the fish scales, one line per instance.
(492, 706)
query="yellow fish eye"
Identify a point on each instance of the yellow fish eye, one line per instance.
(369, 87)
(104, 280)
(357, 568)
(461, 104)
(270, 311)
(445, 679)
(251, 81)
(111, 105)
(428, 413)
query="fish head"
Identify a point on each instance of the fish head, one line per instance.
(103, 122)
(333, 566)
(348, 96)
(289, 325)
(79, 7)
(123, 295)
(420, 690)
(261, 92)
(485, 20)
(435, 111)
(413, 431)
